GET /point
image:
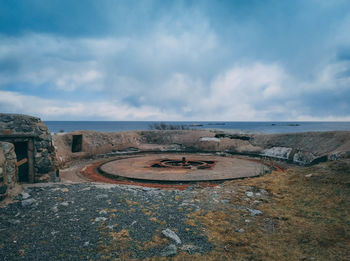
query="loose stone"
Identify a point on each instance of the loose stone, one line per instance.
(254, 212)
(172, 235)
(249, 194)
(28, 202)
(98, 219)
(25, 195)
(170, 250)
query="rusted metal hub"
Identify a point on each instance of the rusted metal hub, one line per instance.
(183, 164)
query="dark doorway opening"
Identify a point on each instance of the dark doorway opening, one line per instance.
(77, 143)
(21, 150)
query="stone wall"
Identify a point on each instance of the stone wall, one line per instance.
(8, 168)
(16, 126)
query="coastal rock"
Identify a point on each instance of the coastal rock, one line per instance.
(277, 152)
(337, 155)
(303, 157)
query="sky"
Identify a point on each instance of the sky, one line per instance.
(237, 60)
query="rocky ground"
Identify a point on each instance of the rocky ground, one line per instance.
(91, 221)
(302, 214)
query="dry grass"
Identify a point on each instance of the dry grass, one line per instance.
(305, 218)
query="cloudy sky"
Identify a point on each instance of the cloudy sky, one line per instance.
(237, 60)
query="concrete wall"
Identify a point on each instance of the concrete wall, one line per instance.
(299, 148)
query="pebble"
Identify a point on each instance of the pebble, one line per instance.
(254, 212)
(101, 196)
(172, 235)
(25, 195)
(98, 219)
(241, 230)
(249, 194)
(189, 248)
(15, 221)
(65, 203)
(103, 212)
(28, 202)
(170, 250)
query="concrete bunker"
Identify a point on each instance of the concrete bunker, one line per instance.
(24, 148)
(35, 153)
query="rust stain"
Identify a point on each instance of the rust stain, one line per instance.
(91, 173)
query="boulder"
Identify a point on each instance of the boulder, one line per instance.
(277, 152)
(303, 158)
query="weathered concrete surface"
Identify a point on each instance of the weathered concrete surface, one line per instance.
(8, 168)
(225, 168)
(299, 148)
(17, 126)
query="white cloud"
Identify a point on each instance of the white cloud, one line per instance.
(61, 62)
(71, 81)
(50, 109)
(156, 77)
(234, 94)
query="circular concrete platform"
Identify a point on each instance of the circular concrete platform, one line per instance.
(143, 168)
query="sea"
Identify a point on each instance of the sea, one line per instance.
(234, 126)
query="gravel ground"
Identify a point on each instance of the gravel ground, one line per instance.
(86, 221)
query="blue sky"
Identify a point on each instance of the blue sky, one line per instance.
(176, 60)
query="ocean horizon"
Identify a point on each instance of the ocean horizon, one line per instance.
(238, 126)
